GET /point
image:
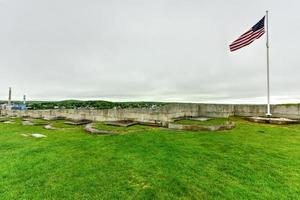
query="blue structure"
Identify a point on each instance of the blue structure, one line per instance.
(18, 107)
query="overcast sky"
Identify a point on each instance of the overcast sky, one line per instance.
(158, 50)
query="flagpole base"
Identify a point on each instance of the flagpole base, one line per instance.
(268, 114)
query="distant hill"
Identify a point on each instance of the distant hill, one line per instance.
(97, 104)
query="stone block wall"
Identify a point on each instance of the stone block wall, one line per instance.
(162, 114)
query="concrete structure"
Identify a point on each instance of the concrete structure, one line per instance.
(162, 115)
(11, 106)
(8, 105)
(271, 120)
(201, 127)
(9, 97)
(90, 129)
(24, 99)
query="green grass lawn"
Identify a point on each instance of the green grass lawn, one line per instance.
(252, 161)
(38, 121)
(214, 121)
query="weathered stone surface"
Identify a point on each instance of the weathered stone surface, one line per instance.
(77, 123)
(198, 127)
(38, 135)
(51, 118)
(122, 123)
(3, 119)
(49, 127)
(272, 120)
(27, 123)
(156, 123)
(35, 135)
(163, 114)
(8, 122)
(89, 128)
(202, 119)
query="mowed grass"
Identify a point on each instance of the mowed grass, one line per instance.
(252, 161)
(212, 121)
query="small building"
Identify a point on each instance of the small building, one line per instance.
(18, 107)
(13, 107)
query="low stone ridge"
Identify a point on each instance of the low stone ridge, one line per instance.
(156, 124)
(38, 135)
(8, 122)
(272, 120)
(198, 127)
(27, 123)
(201, 119)
(89, 128)
(33, 121)
(122, 123)
(77, 123)
(3, 119)
(54, 118)
(49, 127)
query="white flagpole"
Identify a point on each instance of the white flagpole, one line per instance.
(268, 66)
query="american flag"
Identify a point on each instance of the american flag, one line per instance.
(247, 38)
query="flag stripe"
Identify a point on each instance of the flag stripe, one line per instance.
(249, 42)
(240, 43)
(245, 44)
(249, 36)
(253, 36)
(244, 35)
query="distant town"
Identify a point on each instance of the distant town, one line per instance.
(10, 104)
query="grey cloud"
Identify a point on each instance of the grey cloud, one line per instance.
(146, 50)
